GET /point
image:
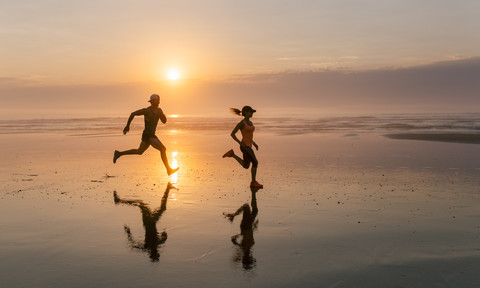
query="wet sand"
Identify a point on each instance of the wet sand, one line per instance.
(337, 210)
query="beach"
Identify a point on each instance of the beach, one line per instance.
(347, 202)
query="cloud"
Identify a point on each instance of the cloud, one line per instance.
(11, 81)
(447, 85)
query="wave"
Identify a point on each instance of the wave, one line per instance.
(419, 123)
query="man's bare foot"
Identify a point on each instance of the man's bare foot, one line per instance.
(172, 171)
(115, 197)
(116, 155)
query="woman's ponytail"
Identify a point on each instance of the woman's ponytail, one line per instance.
(236, 111)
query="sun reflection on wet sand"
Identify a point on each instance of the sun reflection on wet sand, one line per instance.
(174, 176)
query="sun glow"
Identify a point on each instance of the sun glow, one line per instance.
(173, 74)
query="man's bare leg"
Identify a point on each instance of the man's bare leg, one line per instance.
(143, 146)
(157, 144)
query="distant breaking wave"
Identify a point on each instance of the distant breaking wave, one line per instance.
(386, 124)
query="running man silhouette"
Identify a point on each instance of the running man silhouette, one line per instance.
(247, 128)
(151, 115)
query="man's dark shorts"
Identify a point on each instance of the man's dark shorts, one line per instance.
(146, 137)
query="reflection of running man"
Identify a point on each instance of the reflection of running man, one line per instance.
(247, 226)
(153, 240)
(246, 128)
(151, 115)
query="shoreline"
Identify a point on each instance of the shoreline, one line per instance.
(463, 138)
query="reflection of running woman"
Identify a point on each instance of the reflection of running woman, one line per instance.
(152, 240)
(247, 226)
(151, 114)
(247, 128)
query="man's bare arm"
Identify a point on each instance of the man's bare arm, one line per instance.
(163, 118)
(135, 113)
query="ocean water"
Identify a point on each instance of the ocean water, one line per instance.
(386, 124)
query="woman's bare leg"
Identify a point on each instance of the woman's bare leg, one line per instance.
(254, 174)
(239, 160)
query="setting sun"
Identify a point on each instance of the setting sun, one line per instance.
(173, 74)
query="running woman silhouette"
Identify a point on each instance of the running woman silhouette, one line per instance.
(151, 115)
(247, 128)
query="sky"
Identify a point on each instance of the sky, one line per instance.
(106, 57)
